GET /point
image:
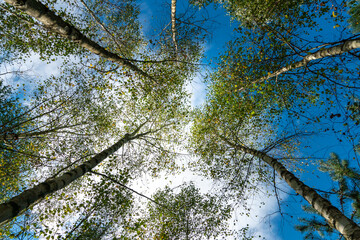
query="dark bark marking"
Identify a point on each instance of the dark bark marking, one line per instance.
(83, 168)
(15, 208)
(47, 189)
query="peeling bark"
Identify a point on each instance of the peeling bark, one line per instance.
(16, 205)
(333, 216)
(57, 25)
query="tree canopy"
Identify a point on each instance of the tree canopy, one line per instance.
(110, 112)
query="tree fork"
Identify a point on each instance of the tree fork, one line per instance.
(56, 24)
(16, 205)
(333, 216)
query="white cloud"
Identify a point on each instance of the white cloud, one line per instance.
(42, 68)
(27, 74)
(197, 89)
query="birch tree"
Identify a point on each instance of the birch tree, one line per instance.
(15, 205)
(218, 139)
(335, 218)
(57, 25)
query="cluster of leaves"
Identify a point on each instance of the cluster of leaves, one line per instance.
(255, 14)
(13, 121)
(120, 19)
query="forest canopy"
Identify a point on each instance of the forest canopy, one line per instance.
(101, 138)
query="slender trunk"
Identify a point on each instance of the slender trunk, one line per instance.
(187, 230)
(14, 206)
(57, 25)
(333, 216)
(344, 47)
(173, 24)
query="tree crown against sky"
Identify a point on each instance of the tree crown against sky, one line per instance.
(118, 110)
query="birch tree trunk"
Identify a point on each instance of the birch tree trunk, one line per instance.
(57, 25)
(173, 25)
(322, 53)
(335, 218)
(14, 206)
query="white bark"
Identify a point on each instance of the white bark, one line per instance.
(335, 218)
(173, 24)
(57, 25)
(14, 206)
